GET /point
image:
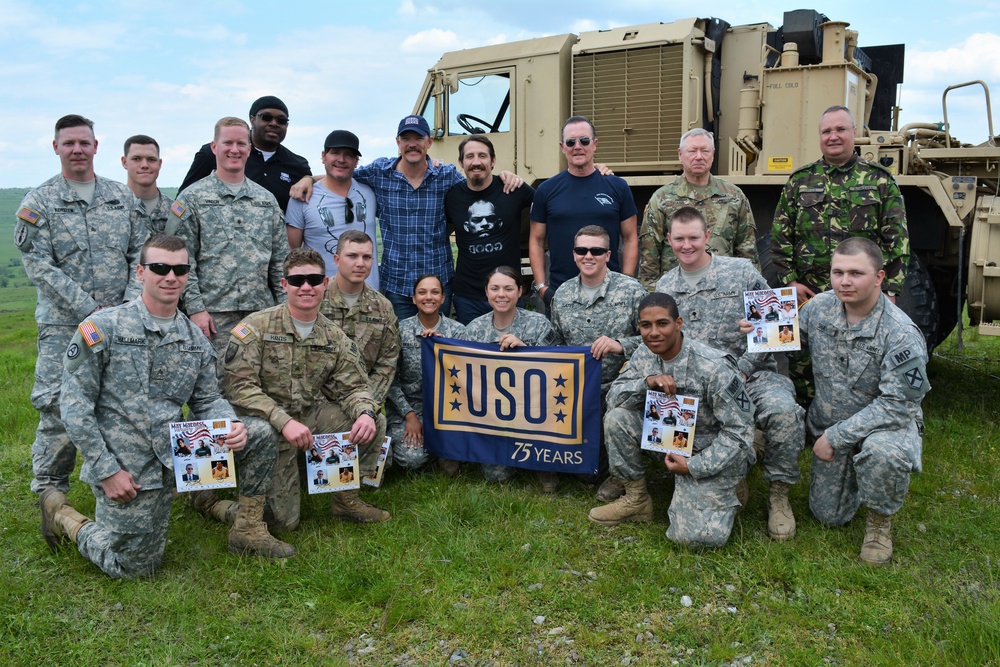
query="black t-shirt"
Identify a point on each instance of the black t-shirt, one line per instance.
(487, 228)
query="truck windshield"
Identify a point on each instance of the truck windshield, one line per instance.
(481, 105)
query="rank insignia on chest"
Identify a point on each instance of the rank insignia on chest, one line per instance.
(91, 336)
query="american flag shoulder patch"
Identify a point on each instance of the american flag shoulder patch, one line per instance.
(241, 331)
(91, 336)
(177, 209)
(29, 216)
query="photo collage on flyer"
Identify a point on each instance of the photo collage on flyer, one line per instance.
(668, 423)
(332, 463)
(774, 314)
(201, 459)
(375, 479)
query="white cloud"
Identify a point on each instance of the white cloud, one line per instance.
(407, 8)
(976, 57)
(433, 41)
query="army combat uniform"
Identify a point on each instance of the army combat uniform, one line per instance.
(711, 311)
(532, 329)
(613, 312)
(821, 205)
(870, 379)
(373, 326)
(704, 505)
(237, 245)
(727, 214)
(80, 257)
(124, 382)
(406, 392)
(155, 218)
(274, 376)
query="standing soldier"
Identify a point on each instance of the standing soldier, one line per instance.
(142, 163)
(80, 236)
(236, 234)
(724, 206)
(129, 372)
(832, 199)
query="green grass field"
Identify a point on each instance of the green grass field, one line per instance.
(472, 574)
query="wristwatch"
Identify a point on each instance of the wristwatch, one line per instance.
(538, 287)
(370, 414)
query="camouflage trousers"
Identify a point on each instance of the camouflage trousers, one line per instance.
(284, 501)
(53, 455)
(783, 422)
(409, 457)
(127, 540)
(494, 473)
(702, 511)
(875, 473)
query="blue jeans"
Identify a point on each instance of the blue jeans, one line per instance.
(403, 305)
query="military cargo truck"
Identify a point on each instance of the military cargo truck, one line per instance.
(760, 90)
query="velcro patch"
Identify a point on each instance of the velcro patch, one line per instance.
(241, 331)
(902, 355)
(177, 209)
(91, 336)
(278, 338)
(914, 378)
(29, 216)
(734, 387)
(129, 340)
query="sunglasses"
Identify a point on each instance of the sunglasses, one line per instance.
(596, 252)
(348, 211)
(299, 279)
(571, 142)
(161, 269)
(267, 118)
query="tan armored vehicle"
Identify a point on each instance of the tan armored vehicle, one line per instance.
(761, 90)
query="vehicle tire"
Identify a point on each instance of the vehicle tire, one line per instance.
(919, 300)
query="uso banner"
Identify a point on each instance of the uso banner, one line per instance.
(530, 407)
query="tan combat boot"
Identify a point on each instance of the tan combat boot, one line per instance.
(249, 534)
(635, 505)
(877, 547)
(611, 490)
(549, 481)
(210, 505)
(780, 520)
(449, 467)
(347, 506)
(59, 519)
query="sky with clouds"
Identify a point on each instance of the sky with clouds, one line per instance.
(172, 69)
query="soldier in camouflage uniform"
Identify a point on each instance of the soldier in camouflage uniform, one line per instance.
(142, 162)
(79, 236)
(724, 206)
(705, 501)
(366, 316)
(709, 293)
(128, 373)
(871, 376)
(404, 408)
(509, 327)
(834, 198)
(599, 308)
(291, 373)
(236, 234)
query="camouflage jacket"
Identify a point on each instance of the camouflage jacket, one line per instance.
(406, 393)
(726, 210)
(372, 324)
(237, 245)
(79, 257)
(723, 434)
(614, 313)
(712, 310)
(124, 382)
(869, 377)
(273, 374)
(156, 219)
(821, 205)
(533, 329)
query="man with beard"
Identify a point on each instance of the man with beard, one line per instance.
(487, 224)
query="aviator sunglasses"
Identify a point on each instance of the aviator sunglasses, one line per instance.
(584, 141)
